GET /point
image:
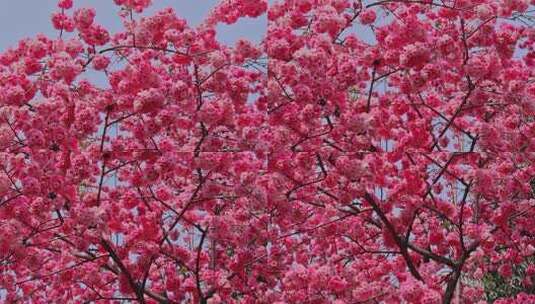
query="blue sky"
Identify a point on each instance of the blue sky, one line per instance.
(26, 18)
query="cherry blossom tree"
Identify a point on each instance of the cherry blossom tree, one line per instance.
(377, 151)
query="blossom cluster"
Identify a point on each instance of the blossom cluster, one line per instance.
(320, 165)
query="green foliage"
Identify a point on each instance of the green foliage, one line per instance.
(496, 286)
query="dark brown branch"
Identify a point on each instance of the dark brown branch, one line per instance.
(399, 242)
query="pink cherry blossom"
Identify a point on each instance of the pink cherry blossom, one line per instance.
(84, 17)
(65, 4)
(358, 152)
(367, 16)
(101, 62)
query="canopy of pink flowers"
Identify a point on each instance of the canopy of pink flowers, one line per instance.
(375, 151)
